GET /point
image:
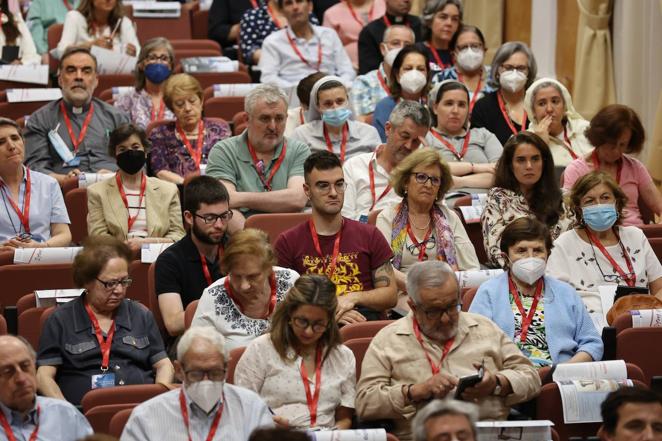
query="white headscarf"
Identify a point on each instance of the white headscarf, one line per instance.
(570, 112)
(314, 112)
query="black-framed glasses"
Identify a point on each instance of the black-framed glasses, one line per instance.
(415, 250)
(423, 178)
(153, 58)
(474, 46)
(437, 313)
(195, 375)
(211, 218)
(303, 323)
(325, 187)
(112, 284)
(611, 278)
(522, 69)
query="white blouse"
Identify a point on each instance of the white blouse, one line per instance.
(262, 370)
(27, 51)
(75, 32)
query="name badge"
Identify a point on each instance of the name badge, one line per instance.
(103, 380)
(363, 219)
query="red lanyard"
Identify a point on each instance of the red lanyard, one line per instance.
(300, 55)
(143, 185)
(260, 170)
(197, 153)
(382, 81)
(301, 118)
(388, 23)
(630, 279)
(596, 165)
(272, 301)
(567, 144)
(331, 267)
(273, 16)
(502, 107)
(23, 215)
(156, 116)
(104, 345)
(420, 245)
(205, 270)
(313, 399)
(10, 433)
(67, 5)
(526, 318)
(254, 4)
(476, 92)
(214, 424)
(343, 142)
(435, 55)
(371, 173)
(76, 141)
(356, 17)
(451, 147)
(447, 347)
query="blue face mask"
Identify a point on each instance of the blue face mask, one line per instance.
(157, 73)
(336, 117)
(600, 217)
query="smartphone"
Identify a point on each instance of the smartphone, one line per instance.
(622, 291)
(469, 381)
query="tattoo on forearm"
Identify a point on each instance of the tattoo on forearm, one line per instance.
(383, 276)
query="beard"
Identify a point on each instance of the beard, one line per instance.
(204, 237)
(440, 334)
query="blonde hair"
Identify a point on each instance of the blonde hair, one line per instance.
(252, 242)
(424, 157)
(180, 84)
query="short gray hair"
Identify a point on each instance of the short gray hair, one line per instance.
(438, 408)
(208, 333)
(428, 274)
(413, 110)
(268, 92)
(387, 32)
(431, 9)
(504, 52)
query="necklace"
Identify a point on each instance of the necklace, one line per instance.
(411, 220)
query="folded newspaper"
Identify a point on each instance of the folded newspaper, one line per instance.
(209, 64)
(46, 255)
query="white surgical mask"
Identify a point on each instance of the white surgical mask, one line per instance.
(470, 59)
(389, 58)
(413, 81)
(205, 393)
(512, 80)
(529, 269)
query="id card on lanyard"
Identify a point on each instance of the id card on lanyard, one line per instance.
(105, 379)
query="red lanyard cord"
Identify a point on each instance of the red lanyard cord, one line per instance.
(300, 55)
(143, 185)
(313, 399)
(420, 245)
(596, 165)
(205, 269)
(371, 175)
(630, 278)
(502, 107)
(526, 318)
(104, 344)
(196, 153)
(214, 424)
(272, 300)
(83, 131)
(260, 168)
(10, 433)
(331, 265)
(446, 349)
(24, 214)
(343, 142)
(451, 147)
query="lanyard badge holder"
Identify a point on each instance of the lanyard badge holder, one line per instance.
(62, 149)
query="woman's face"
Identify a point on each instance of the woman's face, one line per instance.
(527, 165)
(248, 277)
(308, 323)
(420, 187)
(413, 61)
(612, 152)
(517, 61)
(332, 98)
(131, 143)
(466, 40)
(549, 102)
(445, 22)
(157, 55)
(187, 109)
(600, 194)
(452, 111)
(108, 299)
(104, 5)
(527, 248)
(12, 147)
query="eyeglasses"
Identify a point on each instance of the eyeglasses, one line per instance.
(193, 376)
(438, 313)
(415, 250)
(112, 284)
(612, 278)
(211, 218)
(423, 178)
(522, 69)
(474, 46)
(158, 58)
(325, 187)
(302, 323)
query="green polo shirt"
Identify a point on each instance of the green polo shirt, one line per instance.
(230, 160)
(44, 13)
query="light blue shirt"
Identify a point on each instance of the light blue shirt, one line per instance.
(367, 90)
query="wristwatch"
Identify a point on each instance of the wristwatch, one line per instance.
(497, 388)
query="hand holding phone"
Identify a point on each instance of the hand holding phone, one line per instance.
(469, 381)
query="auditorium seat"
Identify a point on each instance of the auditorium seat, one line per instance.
(153, 124)
(275, 223)
(119, 420)
(3, 325)
(29, 325)
(26, 302)
(622, 322)
(170, 28)
(190, 313)
(193, 52)
(132, 393)
(69, 184)
(656, 244)
(391, 437)
(139, 288)
(193, 43)
(651, 230)
(372, 217)
(100, 417)
(17, 110)
(475, 233)
(634, 372)
(154, 301)
(208, 79)
(20, 279)
(235, 355)
(108, 81)
(239, 122)
(358, 346)
(76, 203)
(636, 345)
(200, 24)
(362, 329)
(53, 37)
(468, 295)
(223, 107)
(7, 257)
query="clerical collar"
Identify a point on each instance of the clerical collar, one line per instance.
(396, 19)
(77, 110)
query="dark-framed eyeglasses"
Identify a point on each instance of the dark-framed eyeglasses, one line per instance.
(112, 284)
(437, 313)
(195, 375)
(423, 178)
(325, 187)
(303, 323)
(211, 218)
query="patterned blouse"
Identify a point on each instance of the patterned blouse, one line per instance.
(138, 105)
(535, 347)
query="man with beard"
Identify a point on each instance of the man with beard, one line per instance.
(185, 269)
(423, 356)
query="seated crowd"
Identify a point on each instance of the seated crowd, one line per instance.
(363, 181)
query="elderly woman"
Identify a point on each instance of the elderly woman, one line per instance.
(181, 147)
(502, 112)
(131, 206)
(441, 20)
(420, 227)
(409, 80)
(555, 120)
(544, 316)
(330, 127)
(524, 186)
(303, 349)
(599, 251)
(616, 132)
(100, 339)
(241, 304)
(471, 154)
(145, 103)
(14, 32)
(33, 210)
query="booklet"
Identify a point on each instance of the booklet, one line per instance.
(348, 435)
(33, 95)
(209, 64)
(221, 90)
(150, 251)
(46, 255)
(473, 279)
(471, 213)
(35, 74)
(646, 318)
(535, 430)
(113, 62)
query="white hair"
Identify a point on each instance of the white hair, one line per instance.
(438, 408)
(208, 333)
(428, 274)
(270, 93)
(387, 32)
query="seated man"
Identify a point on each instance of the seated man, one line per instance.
(24, 414)
(368, 174)
(400, 369)
(180, 273)
(205, 407)
(631, 413)
(355, 256)
(302, 48)
(70, 135)
(262, 171)
(445, 419)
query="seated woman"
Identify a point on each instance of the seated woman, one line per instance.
(131, 206)
(101, 339)
(544, 316)
(241, 304)
(441, 19)
(616, 132)
(145, 103)
(409, 80)
(181, 147)
(599, 251)
(303, 348)
(33, 210)
(471, 154)
(524, 186)
(421, 227)
(102, 24)
(330, 126)
(502, 112)
(14, 32)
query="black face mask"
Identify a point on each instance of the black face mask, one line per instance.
(131, 161)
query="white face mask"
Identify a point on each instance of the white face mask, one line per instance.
(512, 80)
(205, 393)
(413, 81)
(469, 59)
(529, 269)
(389, 58)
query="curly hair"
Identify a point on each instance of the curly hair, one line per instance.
(424, 157)
(588, 182)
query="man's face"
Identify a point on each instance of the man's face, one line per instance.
(18, 380)
(297, 11)
(638, 422)
(78, 79)
(203, 356)
(203, 227)
(398, 7)
(402, 140)
(326, 190)
(438, 311)
(449, 427)
(398, 38)
(266, 124)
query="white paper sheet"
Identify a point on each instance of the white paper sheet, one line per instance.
(582, 398)
(349, 435)
(610, 370)
(155, 9)
(46, 255)
(111, 62)
(535, 430)
(647, 318)
(221, 90)
(33, 95)
(119, 90)
(473, 279)
(87, 179)
(150, 251)
(49, 297)
(34, 74)
(471, 213)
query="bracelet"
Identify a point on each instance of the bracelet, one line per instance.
(409, 397)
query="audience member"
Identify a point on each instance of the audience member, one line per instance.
(296, 116)
(446, 419)
(262, 170)
(395, 377)
(25, 414)
(616, 133)
(34, 214)
(52, 145)
(101, 339)
(206, 406)
(303, 344)
(630, 413)
(43, 14)
(409, 80)
(372, 34)
(367, 175)
(502, 112)
(330, 125)
(241, 304)
(225, 21)
(543, 316)
(290, 54)
(181, 147)
(133, 207)
(355, 256)
(14, 33)
(441, 20)
(524, 186)
(144, 104)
